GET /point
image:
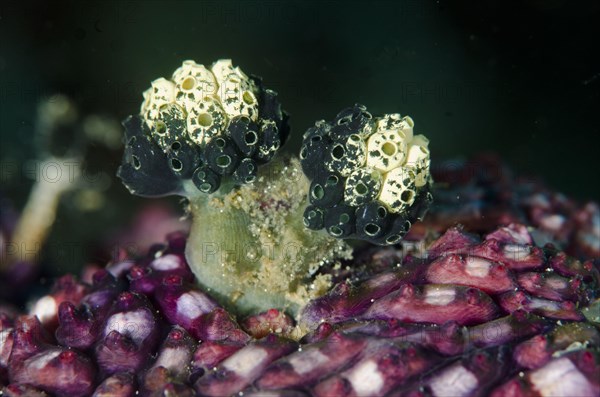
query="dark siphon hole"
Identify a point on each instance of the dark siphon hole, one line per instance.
(223, 161)
(161, 128)
(176, 164)
(136, 162)
(220, 142)
(406, 196)
(332, 180)
(303, 153)
(372, 229)
(335, 231)
(338, 152)
(250, 138)
(176, 145)
(318, 192)
(381, 212)
(394, 238)
(361, 189)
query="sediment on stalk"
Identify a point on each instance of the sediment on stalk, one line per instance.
(249, 248)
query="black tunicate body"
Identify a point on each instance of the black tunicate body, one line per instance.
(340, 221)
(184, 158)
(145, 170)
(313, 217)
(350, 121)
(269, 142)
(313, 154)
(422, 202)
(246, 171)
(326, 190)
(269, 107)
(222, 155)
(206, 180)
(399, 227)
(244, 133)
(372, 220)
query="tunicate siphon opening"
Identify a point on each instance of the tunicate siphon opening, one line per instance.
(250, 138)
(388, 148)
(361, 189)
(318, 192)
(223, 161)
(176, 164)
(160, 127)
(205, 120)
(188, 84)
(338, 152)
(248, 97)
(372, 229)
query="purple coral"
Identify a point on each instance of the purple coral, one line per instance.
(35, 361)
(461, 315)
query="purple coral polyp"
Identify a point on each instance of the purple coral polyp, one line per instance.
(36, 361)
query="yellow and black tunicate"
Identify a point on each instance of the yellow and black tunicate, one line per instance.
(369, 176)
(202, 125)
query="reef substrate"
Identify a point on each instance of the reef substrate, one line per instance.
(495, 293)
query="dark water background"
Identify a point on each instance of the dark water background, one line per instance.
(518, 78)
